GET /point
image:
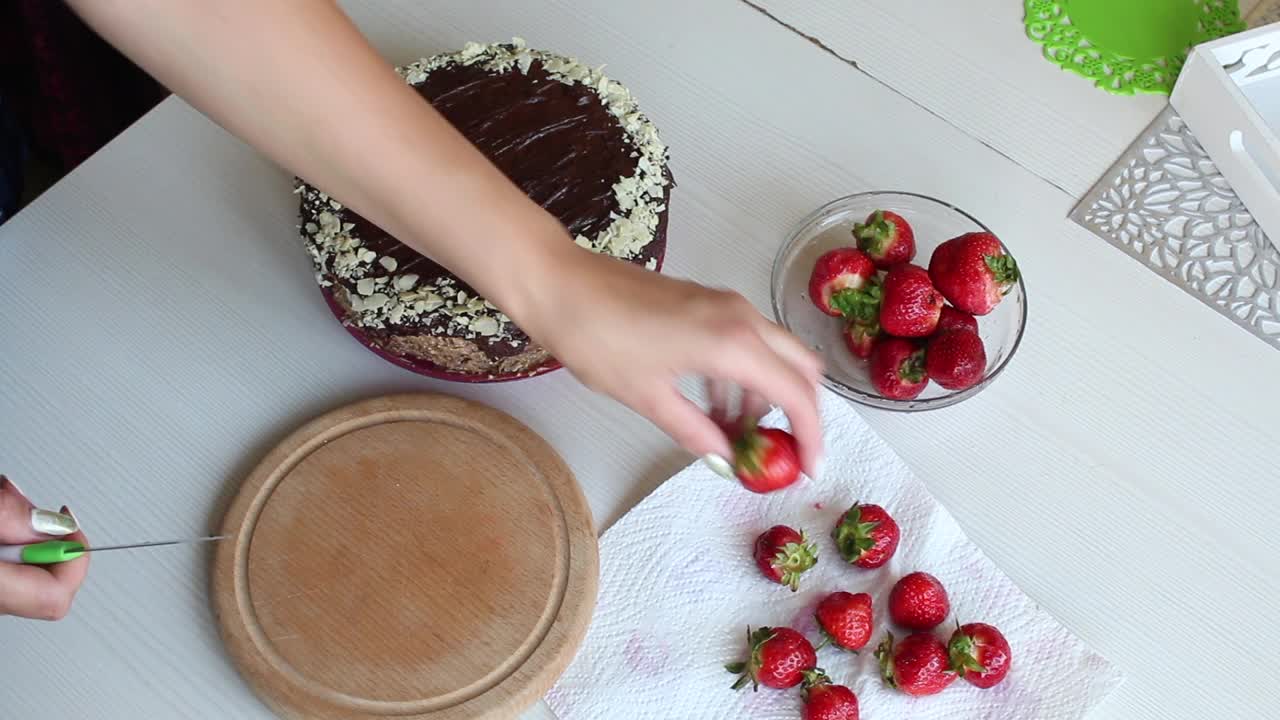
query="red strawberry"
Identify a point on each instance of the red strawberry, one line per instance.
(953, 319)
(765, 459)
(824, 701)
(866, 536)
(919, 602)
(887, 238)
(783, 555)
(861, 339)
(917, 666)
(956, 359)
(980, 654)
(911, 305)
(779, 659)
(838, 273)
(973, 272)
(845, 619)
(898, 368)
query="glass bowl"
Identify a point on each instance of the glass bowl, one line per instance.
(830, 227)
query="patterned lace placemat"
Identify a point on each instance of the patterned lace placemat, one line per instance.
(1165, 204)
(1128, 46)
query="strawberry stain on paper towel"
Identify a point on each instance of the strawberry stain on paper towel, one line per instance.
(646, 655)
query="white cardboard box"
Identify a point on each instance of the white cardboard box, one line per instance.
(1229, 95)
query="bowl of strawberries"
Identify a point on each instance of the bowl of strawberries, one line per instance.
(913, 303)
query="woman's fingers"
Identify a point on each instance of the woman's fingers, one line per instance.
(754, 407)
(754, 365)
(31, 591)
(791, 349)
(718, 402)
(43, 592)
(71, 574)
(685, 422)
(21, 522)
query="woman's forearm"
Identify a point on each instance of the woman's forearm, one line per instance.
(298, 81)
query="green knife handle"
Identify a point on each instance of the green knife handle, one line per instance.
(51, 552)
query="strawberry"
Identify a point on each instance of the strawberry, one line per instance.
(765, 459)
(779, 659)
(917, 666)
(911, 305)
(980, 654)
(845, 620)
(861, 339)
(956, 359)
(898, 368)
(886, 237)
(953, 319)
(866, 536)
(824, 701)
(783, 555)
(838, 274)
(918, 602)
(973, 272)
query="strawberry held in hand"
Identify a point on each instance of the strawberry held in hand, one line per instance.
(917, 666)
(845, 619)
(980, 654)
(779, 659)
(783, 555)
(919, 602)
(973, 272)
(887, 238)
(766, 459)
(824, 701)
(956, 359)
(836, 278)
(866, 536)
(898, 369)
(911, 304)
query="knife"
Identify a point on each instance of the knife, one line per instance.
(51, 552)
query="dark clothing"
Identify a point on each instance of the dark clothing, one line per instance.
(66, 91)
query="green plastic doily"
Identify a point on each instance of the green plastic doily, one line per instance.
(1128, 46)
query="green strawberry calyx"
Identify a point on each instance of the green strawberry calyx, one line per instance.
(874, 235)
(963, 653)
(864, 331)
(748, 671)
(912, 369)
(853, 537)
(861, 305)
(1003, 268)
(815, 678)
(794, 559)
(829, 639)
(884, 654)
(749, 449)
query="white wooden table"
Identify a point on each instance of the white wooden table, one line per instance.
(160, 329)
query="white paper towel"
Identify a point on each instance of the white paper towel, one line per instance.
(678, 587)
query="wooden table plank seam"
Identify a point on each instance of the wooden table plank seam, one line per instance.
(851, 62)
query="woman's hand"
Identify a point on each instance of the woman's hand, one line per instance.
(631, 334)
(41, 592)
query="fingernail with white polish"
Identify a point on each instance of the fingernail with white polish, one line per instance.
(817, 467)
(718, 465)
(48, 522)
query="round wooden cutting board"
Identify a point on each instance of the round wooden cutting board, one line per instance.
(416, 556)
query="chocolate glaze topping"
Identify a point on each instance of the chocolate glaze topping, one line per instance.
(556, 141)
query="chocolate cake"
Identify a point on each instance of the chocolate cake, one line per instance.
(571, 138)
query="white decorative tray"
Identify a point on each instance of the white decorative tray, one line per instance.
(1165, 203)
